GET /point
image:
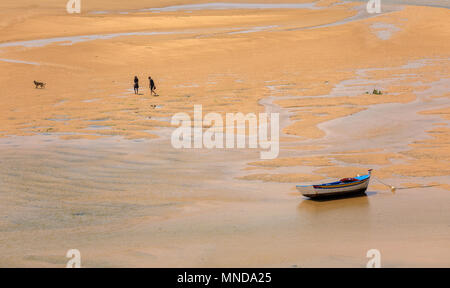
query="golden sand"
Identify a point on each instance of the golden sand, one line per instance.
(108, 183)
(283, 178)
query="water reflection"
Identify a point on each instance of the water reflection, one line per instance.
(335, 203)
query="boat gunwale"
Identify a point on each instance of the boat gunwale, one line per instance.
(361, 179)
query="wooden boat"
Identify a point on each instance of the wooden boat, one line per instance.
(345, 186)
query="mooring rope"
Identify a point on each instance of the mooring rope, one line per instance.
(393, 188)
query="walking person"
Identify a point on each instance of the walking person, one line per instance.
(152, 86)
(136, 85)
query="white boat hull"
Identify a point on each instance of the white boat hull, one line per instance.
(324, 190)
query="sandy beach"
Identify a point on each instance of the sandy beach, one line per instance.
(86, 164)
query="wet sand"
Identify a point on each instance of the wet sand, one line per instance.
(87, 164)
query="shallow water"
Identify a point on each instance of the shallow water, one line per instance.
(127, 203)
(391, 126)
(70, 40)
(230, 6)
(428, 3)
(384, 31)
(143, 203)
(224, 6)
(102, 178)
(254, 29)
(19, 61)
(401, 123)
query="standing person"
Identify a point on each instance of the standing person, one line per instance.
(152, 86)
(136, 85)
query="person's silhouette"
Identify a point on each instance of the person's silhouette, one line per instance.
(152, 86)
(136, 85)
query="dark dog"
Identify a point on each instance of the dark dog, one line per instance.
(39, 84)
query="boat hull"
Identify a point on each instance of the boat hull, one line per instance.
(336, 189)
(334, 194)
